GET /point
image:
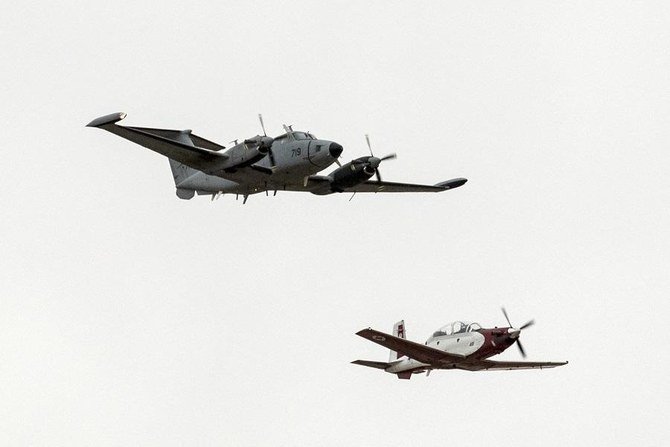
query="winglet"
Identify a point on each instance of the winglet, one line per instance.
(107, 119)
(453, 183)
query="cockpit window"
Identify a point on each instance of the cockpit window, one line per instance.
(444, 330)
(301, 136)
(457, 327)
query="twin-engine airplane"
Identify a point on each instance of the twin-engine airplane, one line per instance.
(457, 345)
(288, 162)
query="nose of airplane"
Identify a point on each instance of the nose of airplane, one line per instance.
(335, 150)
(513, 332)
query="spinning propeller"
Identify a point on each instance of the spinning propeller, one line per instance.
(515, 333)
(374, 162)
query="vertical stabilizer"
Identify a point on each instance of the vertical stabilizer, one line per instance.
(182, 172)
(398, 331)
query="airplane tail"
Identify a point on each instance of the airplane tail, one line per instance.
(371, 364)
(398, 331)
(181, 173)
(394, 356)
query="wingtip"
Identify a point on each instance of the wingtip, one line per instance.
(107, 119)
(453, 183)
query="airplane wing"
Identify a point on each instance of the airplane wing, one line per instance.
(486, 365)
(174, 144)
(375, 186)
(320, 184)
(416, 351)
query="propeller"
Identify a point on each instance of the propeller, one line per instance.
(374, 162)
(264, 143)
(260, 118)
(517, 340)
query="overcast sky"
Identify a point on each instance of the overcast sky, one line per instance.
(130, 317)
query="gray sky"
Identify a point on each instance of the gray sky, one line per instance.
(129, 317)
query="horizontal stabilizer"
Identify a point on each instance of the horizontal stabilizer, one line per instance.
(372, 364)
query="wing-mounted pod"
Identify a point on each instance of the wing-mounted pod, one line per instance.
(453, 183)
(107, 119)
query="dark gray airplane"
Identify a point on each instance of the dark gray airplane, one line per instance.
(289, 162)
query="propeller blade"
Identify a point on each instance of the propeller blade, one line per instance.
(260, 118)
(389, 157)
(367, 138)
(506, 317)
(379, 176)
(337, 162)
(529, 324)
(520, 346)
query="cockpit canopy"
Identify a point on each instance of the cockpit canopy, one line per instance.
(297, 136)
(457, 327)
(303, 136)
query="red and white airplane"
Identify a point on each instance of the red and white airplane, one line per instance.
(458, 345)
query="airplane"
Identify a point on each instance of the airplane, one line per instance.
(458, 345)
(288, 162)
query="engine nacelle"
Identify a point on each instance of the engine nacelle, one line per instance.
(351, 174)
(262, 143)
(243, 154)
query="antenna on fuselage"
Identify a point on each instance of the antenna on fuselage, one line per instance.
(288, 130)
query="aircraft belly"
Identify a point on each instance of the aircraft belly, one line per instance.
(406, 365)
(204, 182)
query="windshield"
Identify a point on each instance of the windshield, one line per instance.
(302, 136)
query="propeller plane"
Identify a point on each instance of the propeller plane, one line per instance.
(458, 345)
(288, 162)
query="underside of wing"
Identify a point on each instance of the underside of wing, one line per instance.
(320, 184)
(486, 365)
(375, 186)
(416, 351)
(174, 144)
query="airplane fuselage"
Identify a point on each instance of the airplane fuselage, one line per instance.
(290, 159)
(474, 345)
